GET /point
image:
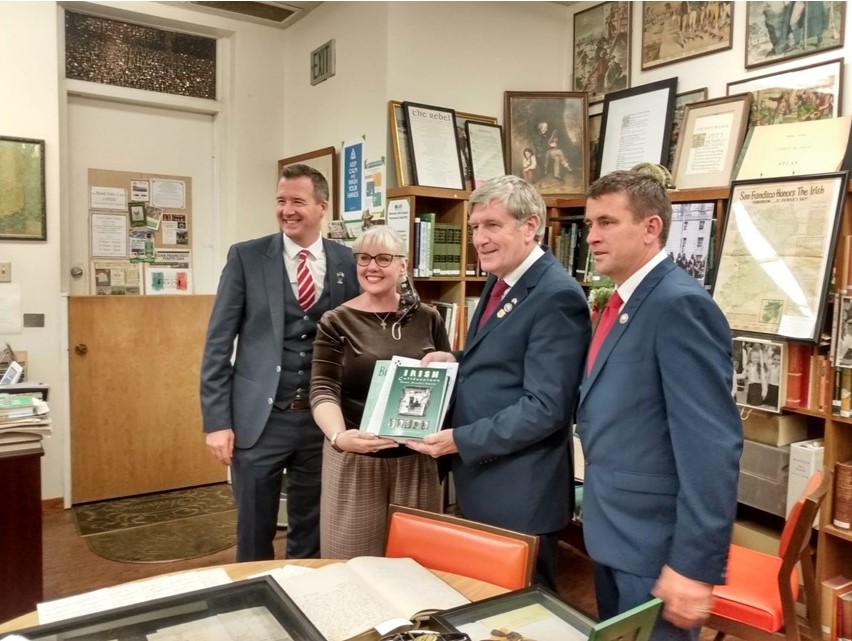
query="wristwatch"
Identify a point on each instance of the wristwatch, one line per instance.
(333, 441)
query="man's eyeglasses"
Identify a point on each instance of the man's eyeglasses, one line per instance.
(382, 260)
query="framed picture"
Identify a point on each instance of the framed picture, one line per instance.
(136, 210)
(778, 31)
(547, 139)
(23, 210)
(487, 153)
(681, 100)
(806, 93)
(675, 31)
(464, 142)
(399, 143)
(775, 259)
(324, 161)
(637, 126)
(843, 339)
(594, 142)
(760, 373)
(602, 49)
(433, 145)
(690, 241)
(713, 133)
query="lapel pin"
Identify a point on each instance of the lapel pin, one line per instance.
(501, 313)
(623, 319)
(339, 278)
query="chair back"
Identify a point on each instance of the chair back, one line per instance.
(634, 625)
(453, 544)
(796, 512)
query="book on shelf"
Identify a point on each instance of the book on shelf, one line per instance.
(344, 600)
(406, 400)
(842, 516)
(832, 590)
(844, 616)
(798, 374)
(450, 314)
(806, 458)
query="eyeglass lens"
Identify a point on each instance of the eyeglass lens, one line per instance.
(382, 260)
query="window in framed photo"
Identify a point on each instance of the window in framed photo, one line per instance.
(464, 142)
(806, 93)
(486, 150)
(681, 100)
(691, 237)
(760, 373)
(433, 146)
(399, 143)
(779, 31)
(675, 31)
(548, 139)
(602, 49)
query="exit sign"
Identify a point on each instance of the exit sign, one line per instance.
(322, 63)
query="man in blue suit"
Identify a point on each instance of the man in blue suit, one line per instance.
(660, 431)
(518, 376)
(256, 412)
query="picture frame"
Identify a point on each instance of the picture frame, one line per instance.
(713, 133)
(774, 263)
(842, 342)
(807, 93)
(136, 211)
(772, 38)
(486, 150)
(324, 161)
(637, 126)
(760, 373)
(433, 145)
(23, 204)
(462, 119)
(690, 30)
(601, 46)
(681, 100)
(547, 139)
(594, 142)
(399, 143)
(691, 238)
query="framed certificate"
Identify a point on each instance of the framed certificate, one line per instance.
(433, 145)
(487, 154)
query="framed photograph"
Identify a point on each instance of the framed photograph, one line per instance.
(843, 340)
(324, 161)
(464, 143)
(602, 49)
(806, 93)
(713, 133)
(681, 100)
(547, 139)
(690, 241)
(760, 373)
(637, 126)
(675, 31)
(136, 210)
(486, 151)
(778, 31)
(775, 259)
(399, 143)
(433, 145)
(23, 210)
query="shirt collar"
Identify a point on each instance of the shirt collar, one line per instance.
(626, 289)
(515, 275)
(291, 249)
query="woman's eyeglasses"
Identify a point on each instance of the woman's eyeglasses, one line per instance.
(382, 260)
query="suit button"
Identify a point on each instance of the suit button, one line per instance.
(277, 368)
(304, 336)
(302, 354)
(269, 401)
(588, 462)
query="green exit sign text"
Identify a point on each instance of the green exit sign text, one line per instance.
(322, 63)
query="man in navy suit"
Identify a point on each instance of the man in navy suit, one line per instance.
(256, 412)
(518, 376)
(660, 431)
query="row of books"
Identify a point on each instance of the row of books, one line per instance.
(837, 607)
(456, 318)
(437, 247)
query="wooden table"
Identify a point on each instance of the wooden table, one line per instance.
(473, 589)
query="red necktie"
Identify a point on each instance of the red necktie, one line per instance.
(305, 282)
(494, 299)
(604, 325)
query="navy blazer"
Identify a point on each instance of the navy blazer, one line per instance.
(515, 398)
(661, 434)
(250, 305)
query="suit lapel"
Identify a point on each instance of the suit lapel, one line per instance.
(273, 276)
(334, 273)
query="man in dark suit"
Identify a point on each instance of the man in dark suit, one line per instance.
(660, 431)
(256, 412)
(518, 376)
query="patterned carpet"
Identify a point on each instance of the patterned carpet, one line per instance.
(157, 528)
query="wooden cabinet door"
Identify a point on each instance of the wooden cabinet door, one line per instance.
(134, 377)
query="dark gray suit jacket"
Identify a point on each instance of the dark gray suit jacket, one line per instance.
(250, 306)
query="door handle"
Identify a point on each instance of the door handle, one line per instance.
(81, 349)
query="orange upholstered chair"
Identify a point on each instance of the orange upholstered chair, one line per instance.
(452, 544)
(758, 602)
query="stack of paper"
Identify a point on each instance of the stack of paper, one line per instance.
(24, 420)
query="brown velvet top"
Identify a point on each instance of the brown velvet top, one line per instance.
(348, 344)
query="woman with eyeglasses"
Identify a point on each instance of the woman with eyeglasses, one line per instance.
(361, 473)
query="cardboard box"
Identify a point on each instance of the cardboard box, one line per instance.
(755, 536)
(775, 429)
(767, 461)
(763, 493)
(806, 457)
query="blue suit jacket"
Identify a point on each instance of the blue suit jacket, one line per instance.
(250, 305)
(517, 390)
(661, 434)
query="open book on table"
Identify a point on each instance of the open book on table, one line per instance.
(344, 600)
(407, 400)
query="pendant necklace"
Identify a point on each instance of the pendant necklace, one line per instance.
(383, 320)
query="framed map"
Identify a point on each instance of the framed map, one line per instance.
(23, 214)
(776, 254)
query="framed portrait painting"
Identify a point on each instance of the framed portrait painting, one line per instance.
(778, 31)
(23, 209)
(324, 161)
(675, 31)
(547, 139)
(602, 49)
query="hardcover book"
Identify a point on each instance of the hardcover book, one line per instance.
(842, 517)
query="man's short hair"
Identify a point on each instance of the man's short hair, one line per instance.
(520, 198)
(305, 171)
(646, 196)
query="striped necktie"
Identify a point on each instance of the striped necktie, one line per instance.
(305, 282)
